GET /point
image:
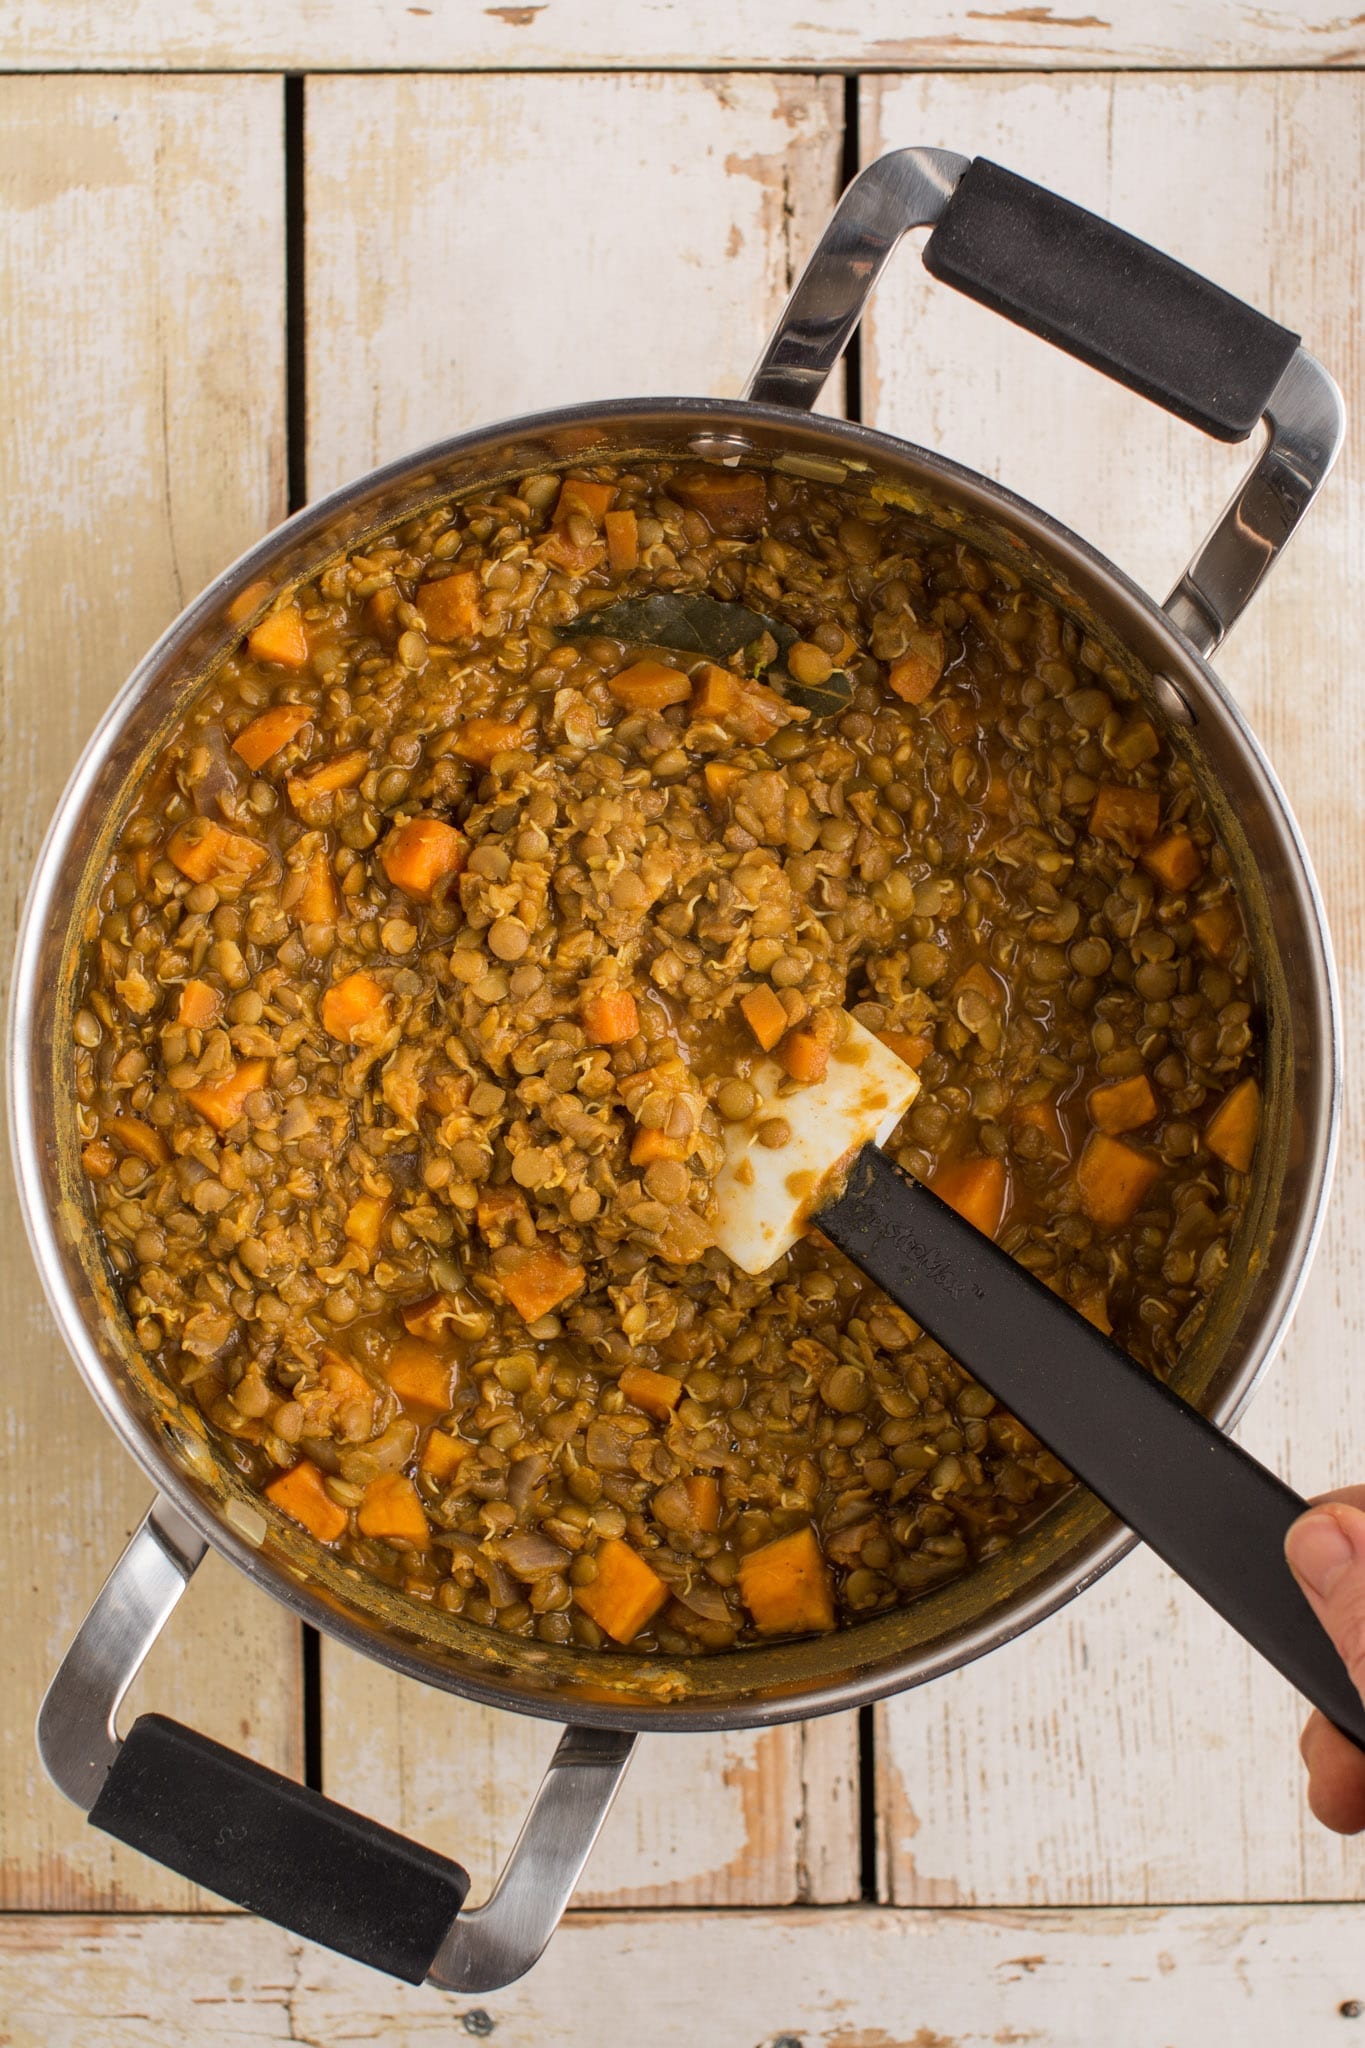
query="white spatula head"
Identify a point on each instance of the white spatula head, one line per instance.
(765, 1193)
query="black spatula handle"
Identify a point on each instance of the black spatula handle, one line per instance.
(1206, 1507)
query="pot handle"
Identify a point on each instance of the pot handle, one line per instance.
(282, 1849)
(1110, 300)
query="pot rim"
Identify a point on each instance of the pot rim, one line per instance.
(1094, 1554)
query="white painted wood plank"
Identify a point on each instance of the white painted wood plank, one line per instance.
(141, 386)
(483, 248)
(872, 35)
(653, 259)
(1131, 1749)
(843, 1978)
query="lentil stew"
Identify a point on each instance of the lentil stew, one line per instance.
(433, 959)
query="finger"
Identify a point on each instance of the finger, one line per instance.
(1351, 1496)
(1336, 1777)
(1325, 1550)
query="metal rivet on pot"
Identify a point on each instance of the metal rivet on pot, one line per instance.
(721, 447)
(1172, 700)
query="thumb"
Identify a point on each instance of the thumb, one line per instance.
(1326, 1553)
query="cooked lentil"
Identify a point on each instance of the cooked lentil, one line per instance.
(438, 948)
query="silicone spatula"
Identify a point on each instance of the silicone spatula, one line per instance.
(1206, 1507)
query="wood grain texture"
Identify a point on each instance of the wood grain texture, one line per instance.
(605, 35)
(1131, 1749)
(663, 250)
(852, 1978)
(141, 386)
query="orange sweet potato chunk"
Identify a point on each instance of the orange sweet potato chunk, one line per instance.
(138, 1138)
(199, 1005)
(703, 1491)
(1232, 1130)
(392, 1512)
(354, 1007)
(764, 1014)
(625, 1594)
(803, 1055)
(450, 608)
(202, 856)
(785, 1585)
(653, 1391)
(623, 542)
(1127, 816)
(610, 1018)
(537, 1280)
(975, 1187)
(733, 502)
(649, 686)
(498, 1212)
(365, 1221)
(721, 777)
(223, 1102)
(1217, 929)
(318, 902)
(442, 1455)
(281, 638)
(580, 494)
(914, 674)
(246, 601)
(1175, 862)
(649, 1145)
(479, 739)
(257, 742)
(1125, 1105)
(912, 1047)
(1113, 1180)
(421, 854)
(300, 1494)
(420, 1377)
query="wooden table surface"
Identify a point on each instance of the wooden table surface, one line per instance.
(249, 251)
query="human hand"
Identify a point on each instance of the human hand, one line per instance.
(1326, 1553)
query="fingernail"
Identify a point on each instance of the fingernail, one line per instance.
(1319, 1549)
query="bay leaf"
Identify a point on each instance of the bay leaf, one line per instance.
(690, 621)
(822, 700)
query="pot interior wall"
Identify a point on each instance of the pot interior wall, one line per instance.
(1072, 1541)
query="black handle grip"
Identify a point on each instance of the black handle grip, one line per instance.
(1114, 301)
(1203, 1504)
(279, 1849)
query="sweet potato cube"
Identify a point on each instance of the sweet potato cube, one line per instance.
(392, 1512)
(202, 856)
(1175, 862)
(137, 1138)
(803, 1055)
(280, 638)
(450, 608)
(1040, 1116)
(479, 739)
(625, 1594)
(223, 1103)
(785, 1585)
(975, 1187)
(1232, 1130)
(749, 711)
(649, 686)
(914, 674)
(267, 734)
(580, 494)
(1217, 929)
(653, 1391)
(381, 613)
(300, 1494)
(575, 558)
(98, 1159)
(199, 1005)
(610, 1018)
(1124, 1105)
(421, 854)
(355, 1007)
(1113, 1180)
(911, 1046)
(1127, 816)
(420, 1377)
(536, 1280)
(365, 1221)
(721, 777)
(442, 1455)
(648, 1145)
(246, 601)
(428, 1318)
(703, 1491)
(318, 903)
(623, 542)
(343, 771)
(764, 1014)
(498, 1212)
(733, 502)
(714, 691)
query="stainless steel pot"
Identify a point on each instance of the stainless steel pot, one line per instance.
(274, 1847)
